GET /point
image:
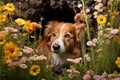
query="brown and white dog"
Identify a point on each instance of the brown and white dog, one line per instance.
(60, 41)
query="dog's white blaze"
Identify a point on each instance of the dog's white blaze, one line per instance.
(57, 59)
(60, 41)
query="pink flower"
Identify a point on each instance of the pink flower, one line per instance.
(75, 61)
(87, 77)
(23, 59)
(36, 25)
(89, 43)
(27, 50)
(97, 77)
(80, 26)
(41, 57)
(78, 16)
(11, 29)
(23, 66)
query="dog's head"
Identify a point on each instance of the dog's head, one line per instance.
(64, 37)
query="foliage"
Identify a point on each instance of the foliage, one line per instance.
(19, 59)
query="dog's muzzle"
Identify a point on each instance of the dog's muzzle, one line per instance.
(58, 46)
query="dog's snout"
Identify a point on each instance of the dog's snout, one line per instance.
(56, 46)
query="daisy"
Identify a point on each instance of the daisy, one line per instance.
(20, 21)
(3, 18)
(2, 39)
(10, 49)
(34, 70)
(29, 27)
(101, 19)
(9, 7)
(117, 62)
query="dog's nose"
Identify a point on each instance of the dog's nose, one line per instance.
(56, 46)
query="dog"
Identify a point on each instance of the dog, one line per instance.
(60, 41)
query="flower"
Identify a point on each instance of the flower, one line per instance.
(118, 40)
(11, 50)
(114, 13)
(7, 59)
(23, 66)
(117, 62)
(89, 43)
(79, 5)
(101, 19)
(9, 7)
(34, 70)
(114, 31)
(78, 16)
(87, 77)
(99, 7)
(75, 61)
(29, 27)
(20, 21)
(36, 25)
(3, 18)
(11, 29)
(27, 50)
(2, 39)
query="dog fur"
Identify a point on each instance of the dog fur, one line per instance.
(59, 42)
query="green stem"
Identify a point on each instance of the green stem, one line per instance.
(86, 20)
(88, 32)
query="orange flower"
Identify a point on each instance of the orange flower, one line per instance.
(29, 27)
(114, 13)
(118, 40)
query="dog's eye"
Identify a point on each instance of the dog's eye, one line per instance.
(67, 35)
(53, 34)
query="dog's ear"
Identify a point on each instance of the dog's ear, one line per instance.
(47, 33)
(79, 28)
(48, 30)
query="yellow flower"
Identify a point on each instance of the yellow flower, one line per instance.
(9, 7)
(119, 28)
(3, 18)
(118, 40)
(114, 13)
(117, 62)
(20, 21)
(34, 70)
(10, 49)
(7, 59)
(2, 39)
(101, 19)
(29, 27)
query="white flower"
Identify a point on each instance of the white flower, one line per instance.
(99, 7)
(99, 0)
(20, 53)
(87, 57)
(89, 43)
(23, 66)
(95, 13)
(94, 40)
(109, 29)
(41, 57)
(75, 61)
(114, 31)
(10, 29)
(100, 33)
(23, 59)
(27, 50)
(79, 5)
(87, 10)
